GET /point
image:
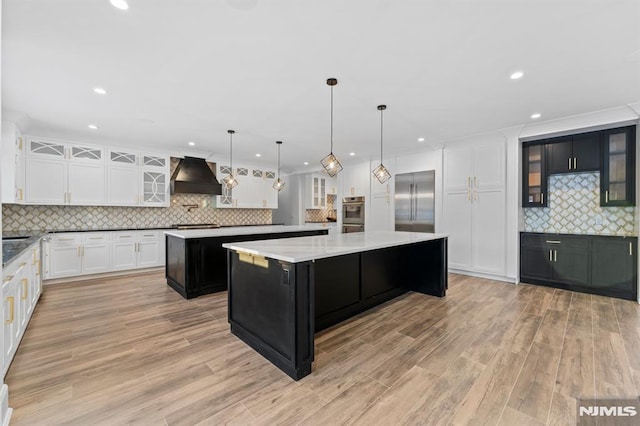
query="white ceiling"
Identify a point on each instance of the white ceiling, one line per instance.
(186, 70)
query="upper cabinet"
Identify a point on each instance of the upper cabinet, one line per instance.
(610, 152)
(12, 164)
(617, 177)
(316, 193)
(62, 173)
(254, 189)
(573, 154)
(534, 177)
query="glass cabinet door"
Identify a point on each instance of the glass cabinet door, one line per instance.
(534, 185)
(617, 177)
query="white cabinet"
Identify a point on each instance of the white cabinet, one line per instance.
(475, 207)
(12, 164)
(137, 249)
(316, 192)
(355, 180)
(80, 253)
(137, 179)
(254, 189)
(21, 288)
(61, 173)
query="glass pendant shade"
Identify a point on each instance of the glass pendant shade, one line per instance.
(230, 182)
(381, 173)
(331, 165)
(278, 185)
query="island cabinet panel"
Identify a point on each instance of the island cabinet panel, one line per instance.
(383, 271)
(337, 284)
(269, 306)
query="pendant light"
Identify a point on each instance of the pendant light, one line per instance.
(330, 162)
(230, 181)
(381, 173)
(278, 185)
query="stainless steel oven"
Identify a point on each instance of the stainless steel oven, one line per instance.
(352, 228)
(353, 214)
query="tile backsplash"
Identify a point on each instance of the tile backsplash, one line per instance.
(24, 217)
(321, 215)
(574, 208)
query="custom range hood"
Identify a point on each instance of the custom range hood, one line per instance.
(193, 176)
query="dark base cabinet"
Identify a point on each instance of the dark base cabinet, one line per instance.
(276, 307)
(604, 265)
(198, 266)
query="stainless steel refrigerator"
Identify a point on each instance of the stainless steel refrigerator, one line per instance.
(415, 201)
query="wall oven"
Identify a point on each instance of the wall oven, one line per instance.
(352, 214)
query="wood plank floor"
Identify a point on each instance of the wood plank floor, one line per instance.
(129, 350)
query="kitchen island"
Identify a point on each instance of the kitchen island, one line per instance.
(196, 263)
(283, 291)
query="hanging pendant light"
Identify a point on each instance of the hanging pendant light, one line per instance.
(278, 185)
(230, 181)
(381, 173)
(330, 162)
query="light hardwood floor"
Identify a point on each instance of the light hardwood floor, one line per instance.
(129, 350)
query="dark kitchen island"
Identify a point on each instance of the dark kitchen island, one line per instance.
(283, 291)
(196, 263)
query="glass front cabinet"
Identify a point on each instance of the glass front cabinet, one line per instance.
(534, 182)
(617, 176)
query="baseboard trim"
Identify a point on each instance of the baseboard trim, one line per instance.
(75, 278)
(482, 275)
(5, 410)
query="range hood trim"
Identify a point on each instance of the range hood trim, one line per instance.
(193, 176)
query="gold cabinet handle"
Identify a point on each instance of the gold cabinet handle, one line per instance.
(7, 279)
(37, 267)
(542, 198)
(22, 264)
(469, 195)
(630, 249)
(25, 289)
(575, 163)
(475, 195)
(550, 256)
(555, 255)
(468, 181)
(569, 163)
(19, 192)
(475, 181)
(553, 242)
(606, 197)
(11, 301)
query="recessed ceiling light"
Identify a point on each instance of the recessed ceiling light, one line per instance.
(192, 143)
(93, 127)
(120, 4)
(352, 154)
(517, 75)
(99, 90)
(420, 139)
(536, 115)
(306, 163)
(258, 155)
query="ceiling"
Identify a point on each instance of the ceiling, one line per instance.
(179, 71)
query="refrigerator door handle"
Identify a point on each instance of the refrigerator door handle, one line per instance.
(411, 201)
(415, 203)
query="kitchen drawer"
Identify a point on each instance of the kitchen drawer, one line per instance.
(558, 240)
(124, 236)
(94, 238)
(16, 265)
(148, 235)
(66, 239)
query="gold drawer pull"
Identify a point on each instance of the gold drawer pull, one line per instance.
(553, 242)
(11, 309)
(7, 279)
(25, 289)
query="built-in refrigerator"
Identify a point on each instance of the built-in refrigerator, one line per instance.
(415, 201)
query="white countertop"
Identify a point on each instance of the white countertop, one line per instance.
(302, 249)
(242, 230)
